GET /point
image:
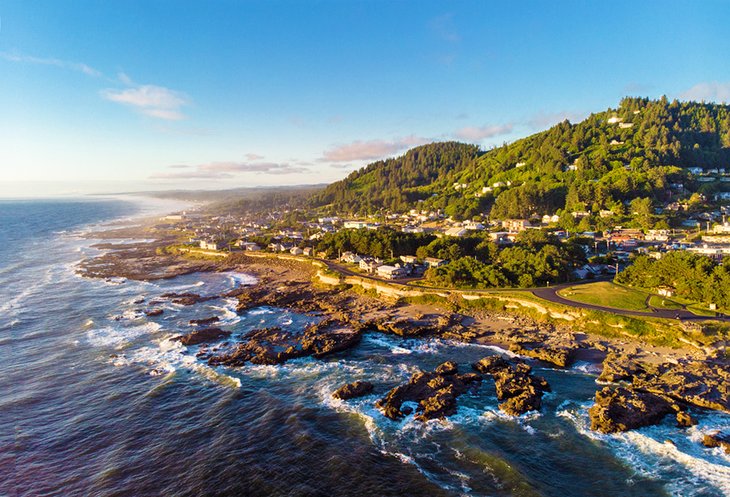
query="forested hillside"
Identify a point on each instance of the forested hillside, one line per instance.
(642, 149)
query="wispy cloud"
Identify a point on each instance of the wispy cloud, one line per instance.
(45, 61)
(154, 101)
(369, 150)
(479, 133)
(223, 170)
(545, 119)
(712, 91)
(254, 157)
(444, 27)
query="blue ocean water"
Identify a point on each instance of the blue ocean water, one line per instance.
(95, 399)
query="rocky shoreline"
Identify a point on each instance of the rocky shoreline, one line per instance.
(644, 384)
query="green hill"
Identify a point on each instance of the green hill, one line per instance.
(642, 149)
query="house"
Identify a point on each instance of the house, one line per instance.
(665, 291)
(409, 259)
(412, 229)
(355, 224)
(614, 120)
(369, 265)
(580, 214)
(433, 262)
(351, 258)
(547, 218)
(603, 213)
(456, 232)
(391, 272)
(308, 251)
(514, 225)
(209, 245)
(721, 228)
(625, 125)
(473, 225)
(248, 246)
(695, 170)
(296, 251)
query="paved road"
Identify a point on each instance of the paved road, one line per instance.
(551, 294)
(547, 293)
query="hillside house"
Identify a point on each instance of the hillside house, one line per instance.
(391, 272)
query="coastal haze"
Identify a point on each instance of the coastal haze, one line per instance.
(364, 248)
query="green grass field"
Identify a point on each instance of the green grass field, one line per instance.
(607, 294)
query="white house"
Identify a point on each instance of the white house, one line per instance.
(391, 272)
(456, 231)
(433, 262)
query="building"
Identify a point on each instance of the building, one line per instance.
(355, 224)
(248, 246)
(296, 251)
(350, 257)
(433, 262)
(514, 225)
(369, 265)
(409, 259)
(209, 245)
(456, 232)
(308, 251)
(391, 272)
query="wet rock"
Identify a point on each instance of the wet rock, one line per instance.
(204, 321)
(449, 367)
(276, 346)
(685, 420)
(621, 409)
(353, 390)
(517, 389)
(186, 298)
(153, 312)
(490, 364)
(717, 439)
(435, 393)
(203, 335)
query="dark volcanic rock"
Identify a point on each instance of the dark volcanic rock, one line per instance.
(618, 367)
(186, 298)
(275, 346)
(717, 439)
(205, 321)
(517, 389)
(153, 312)
(684, 420)
(559, 356)
(435, 393)
(490, 364)
(703, 384)
(353, 390)
(203, 335)
(449, 367)
(621, 409)
(448, 326)
(700, 383)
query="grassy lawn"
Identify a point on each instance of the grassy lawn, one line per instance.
(607, 294)
(663, 303)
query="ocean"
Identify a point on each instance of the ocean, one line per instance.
(96, 400)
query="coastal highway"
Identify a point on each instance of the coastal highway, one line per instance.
(546, 293)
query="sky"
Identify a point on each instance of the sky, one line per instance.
(99, 96)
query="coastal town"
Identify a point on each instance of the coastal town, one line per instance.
(705, 232)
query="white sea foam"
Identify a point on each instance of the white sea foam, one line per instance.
(664, 449)
(119, 336)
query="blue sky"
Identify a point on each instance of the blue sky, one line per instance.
(119, 96)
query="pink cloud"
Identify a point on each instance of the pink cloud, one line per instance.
(369, 150)
(151, 100)
(479, 133)
(221, 170)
